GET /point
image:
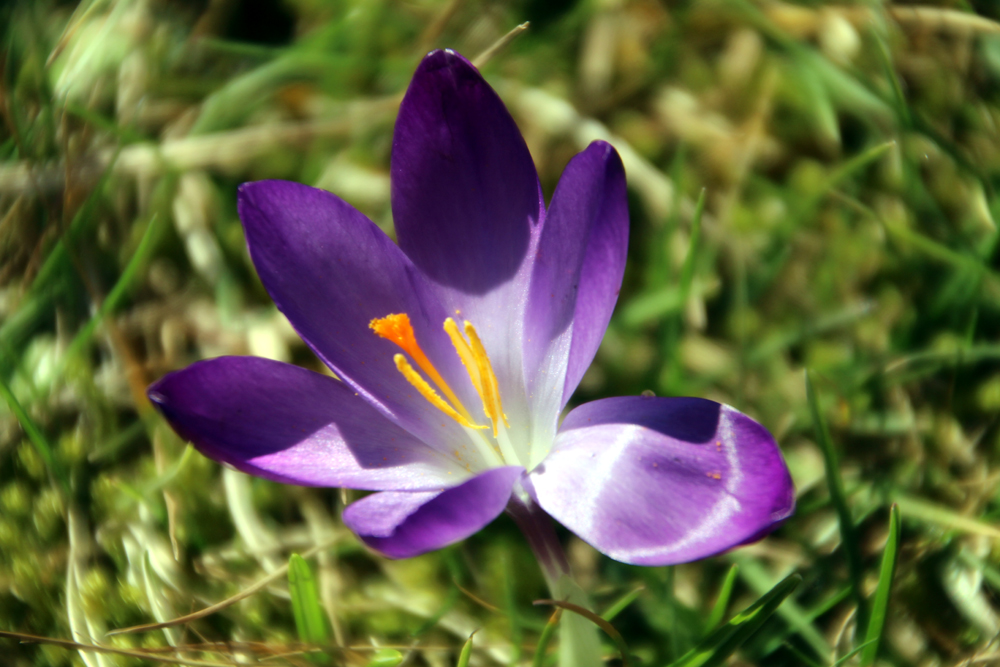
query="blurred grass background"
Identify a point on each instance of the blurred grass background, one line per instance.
(849, 155)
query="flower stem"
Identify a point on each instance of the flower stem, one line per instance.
(541, 535)
(579, 645)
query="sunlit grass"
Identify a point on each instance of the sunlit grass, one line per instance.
(812, 187)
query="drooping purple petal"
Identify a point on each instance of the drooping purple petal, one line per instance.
(331, 271)
(656, 481)
(291, 425)
(465, 194)
(576, 277)
(401, 524)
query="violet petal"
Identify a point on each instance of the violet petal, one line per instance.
(657, 481)
(465, 193)
(331, 271)
(401, 524)
(291, 425)
(576, 277)
(468, 208)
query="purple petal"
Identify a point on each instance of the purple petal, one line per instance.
(465, 194)
(401, 525)
(331, 271)
(291, 425)
(576, 277)
(468, 207)
(657, 481)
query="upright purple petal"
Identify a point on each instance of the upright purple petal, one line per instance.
(401, 524)
(465, 194)
(291, 425)
(331, 271)
(576, 277)
(657, 481)
(468, 208)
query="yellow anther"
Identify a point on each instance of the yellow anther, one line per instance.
(490, 390)
(397, 328)
(477, 364)
(464, 353)
(420, 384)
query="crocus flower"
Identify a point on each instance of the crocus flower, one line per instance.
(457, 350)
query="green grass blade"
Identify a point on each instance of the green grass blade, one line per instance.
(803, 658)
(800, 620)
(805, 628)
(545, 639)
(880, 603)
(718, 646)
(36, 436)
(309, 620)
(119, 290)
(722, 602)
(622, 602)
(850, 654)
(463, 657)
(848, 536)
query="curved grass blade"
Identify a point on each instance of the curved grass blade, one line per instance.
(880, 603)
(715, 617)
(596, 620)
(718, 646)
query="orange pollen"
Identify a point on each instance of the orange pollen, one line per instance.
(397, 328)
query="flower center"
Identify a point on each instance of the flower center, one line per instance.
(396, 327)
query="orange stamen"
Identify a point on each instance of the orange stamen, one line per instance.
(420, 384)
(489, 391)
(397, 328)
(480, 371)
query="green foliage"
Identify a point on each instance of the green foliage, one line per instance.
(310, 622)
(880, 602)
(812, 185)
(722, 643)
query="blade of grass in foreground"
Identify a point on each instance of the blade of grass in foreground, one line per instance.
(880, 604)
(545, 639)
(847, 535)
(715, 617)
(309, 620)
(466, 654)
(718, 646)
